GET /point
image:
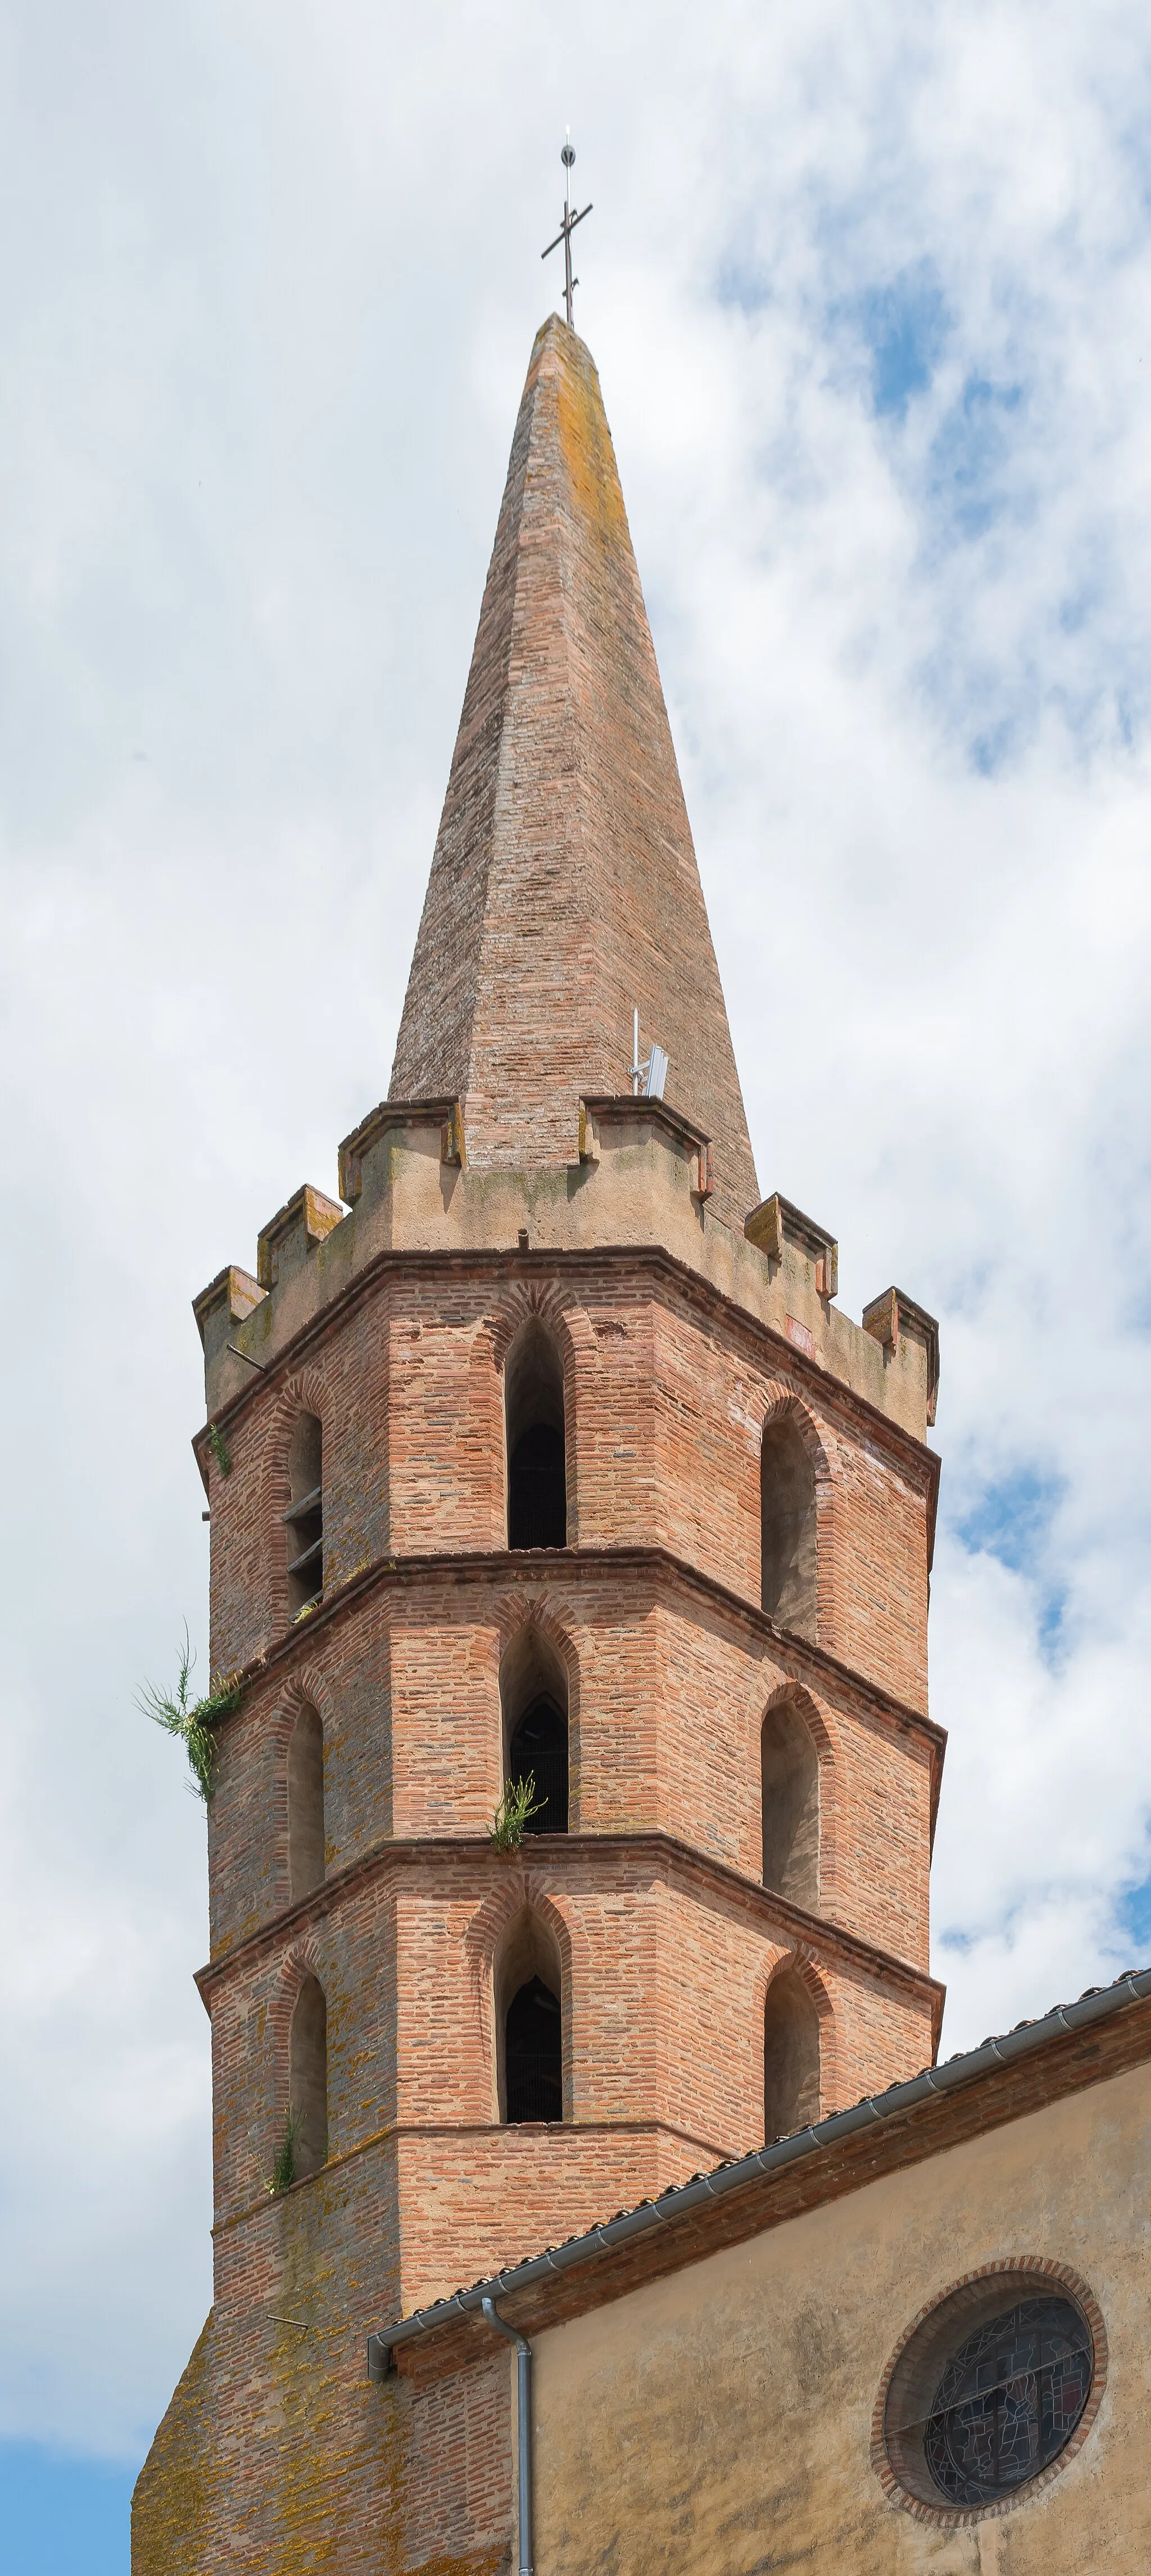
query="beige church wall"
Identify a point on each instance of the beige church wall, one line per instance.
(719, 2420)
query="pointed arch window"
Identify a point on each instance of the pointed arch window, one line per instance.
(536, 1452)
(304, 1518)
(790, 2057)
(308, 2077)
(788, 1527)
(534, 1695)
(529, 2024)
(789, 1772)
(305, 1804)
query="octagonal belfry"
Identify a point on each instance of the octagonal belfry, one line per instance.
(559, 1484)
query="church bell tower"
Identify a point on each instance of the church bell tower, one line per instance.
(571, 1547)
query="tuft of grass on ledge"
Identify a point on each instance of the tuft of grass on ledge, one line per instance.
(283, 2173)
(506, 1830)
(194, 1724)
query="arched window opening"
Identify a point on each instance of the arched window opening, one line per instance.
(529, 2023)
(308, 2077)
(534, 1424)
(539, 1752)
(790, 1775)
(534, 1696)
(305, 1804)
(787, 1502)
(304, 1518)
(533, 2055)
(790, 2057)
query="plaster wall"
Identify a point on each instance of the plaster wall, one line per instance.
(718, 2422)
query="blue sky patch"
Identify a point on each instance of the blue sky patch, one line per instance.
(968, 454)
(58, 2513)
(905, 326)
(1012, 1518)
(1133, 1916)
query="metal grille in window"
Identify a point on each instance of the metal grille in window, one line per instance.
(305, 1526)
(539, 1751)
(1008, 2401)
(533, 2057)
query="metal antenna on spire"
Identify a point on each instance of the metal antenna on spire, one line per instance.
(567, 227)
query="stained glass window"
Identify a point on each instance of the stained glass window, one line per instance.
(1008, 2400)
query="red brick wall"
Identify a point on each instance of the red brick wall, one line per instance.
(653, 1903)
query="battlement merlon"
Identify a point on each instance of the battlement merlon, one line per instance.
(640, 1175)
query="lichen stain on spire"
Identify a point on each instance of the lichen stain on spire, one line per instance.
(586, 441)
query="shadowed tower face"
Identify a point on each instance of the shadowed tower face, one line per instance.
(564, 888)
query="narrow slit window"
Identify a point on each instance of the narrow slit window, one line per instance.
(533, 2055)
(536, 1452)
(306, 1804)
(789, 1767)
(304, 1518)
(787, 1511)
(539, 1752)
(308, 2077)
(790, 2057)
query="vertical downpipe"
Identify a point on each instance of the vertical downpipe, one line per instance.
(523, 2427)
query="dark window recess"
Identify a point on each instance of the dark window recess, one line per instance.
(537, 1489)
(304, 1518)
(539, 1750)
(790, 2057)
(1008, 2401)
(305, 1804)
(787, 1505)
(533, 2055)
(308, 2077)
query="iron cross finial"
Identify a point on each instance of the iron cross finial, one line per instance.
(567, 227)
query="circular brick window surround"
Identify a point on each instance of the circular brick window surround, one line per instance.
(991, 2391)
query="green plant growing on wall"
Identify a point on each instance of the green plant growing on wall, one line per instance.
(506, 1830)
(283, 2173)
(195, 1725)
(219, 1448)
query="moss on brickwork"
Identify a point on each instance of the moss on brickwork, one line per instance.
(170, 2504)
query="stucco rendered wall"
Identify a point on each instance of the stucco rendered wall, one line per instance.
(719, 2421)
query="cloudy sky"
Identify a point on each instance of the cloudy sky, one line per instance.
(868, 289)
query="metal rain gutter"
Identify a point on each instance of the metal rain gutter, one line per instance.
(1098, 2004)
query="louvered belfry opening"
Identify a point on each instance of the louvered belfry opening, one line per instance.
(539, 1752)
(537, 1462)
(533, 2055)
(304, 1518)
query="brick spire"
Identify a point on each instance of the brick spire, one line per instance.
(564, 886)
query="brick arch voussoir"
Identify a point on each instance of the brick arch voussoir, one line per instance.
(824, 1734)
(798, 1962)
(526, 1304)
(520, 1892)
(779, 1401)
(304, 1689)
(303, 1960)
(516, 1612)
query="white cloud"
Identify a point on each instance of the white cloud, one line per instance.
(268, 281)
